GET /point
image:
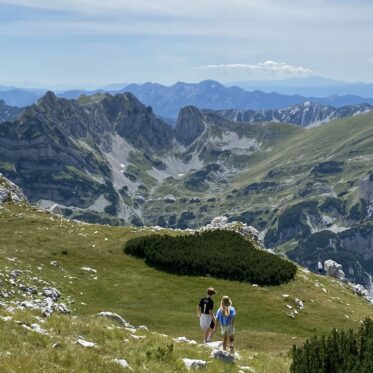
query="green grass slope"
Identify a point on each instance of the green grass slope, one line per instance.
(165, 303)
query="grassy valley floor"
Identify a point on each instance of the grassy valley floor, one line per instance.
(30, 240)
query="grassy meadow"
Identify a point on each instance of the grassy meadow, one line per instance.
(165, 303)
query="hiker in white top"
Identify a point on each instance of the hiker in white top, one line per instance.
(319, 266)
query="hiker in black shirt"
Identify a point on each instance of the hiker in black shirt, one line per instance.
(206, 315)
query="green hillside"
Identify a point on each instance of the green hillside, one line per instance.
(30, 240)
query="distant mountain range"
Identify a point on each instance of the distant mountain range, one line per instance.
(209, 94)
(311, 86)
(167, 101)
(305, 114)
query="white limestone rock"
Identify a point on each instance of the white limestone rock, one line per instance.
(334, 269)
(360, 290)
(193, 363)
(223, 356)
(55, 209)
(299, 303)
(117, 318)
(52, 293)
(185, 340)
(62, 308)
(87, 344)
(123, 363)
(88, 269)
(10, 192)
(169, 198)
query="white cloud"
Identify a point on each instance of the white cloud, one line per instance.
(370, 60)
(267, 67)
(146, 7)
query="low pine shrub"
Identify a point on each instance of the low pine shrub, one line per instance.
(340, 351)
(221, 254)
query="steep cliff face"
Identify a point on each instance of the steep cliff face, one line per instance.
(359, 239)
(136, 123)
(189, 125)
(366, 193)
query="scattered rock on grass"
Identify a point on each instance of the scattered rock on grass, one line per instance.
(299, 303)
(88, 269)
(185, 340)
(224, 356)
(82, 342)
(192, 363)
(123, 363)
(117, 318)
(52, 293)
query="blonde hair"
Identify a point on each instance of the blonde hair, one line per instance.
(225, 304)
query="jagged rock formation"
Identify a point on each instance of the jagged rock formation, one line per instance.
(304, 114)
(8, 113)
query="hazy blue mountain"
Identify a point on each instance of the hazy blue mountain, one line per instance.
(310, 86)
(168, 100)
(20, 97)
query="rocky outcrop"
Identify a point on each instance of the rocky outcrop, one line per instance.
(189, 125)
(10, 192)
(334, 269)
(249, 232)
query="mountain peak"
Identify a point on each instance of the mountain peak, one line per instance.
(189, 125)
(49, 97)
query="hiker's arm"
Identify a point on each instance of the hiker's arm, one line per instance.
(216, 323)
(198, 310)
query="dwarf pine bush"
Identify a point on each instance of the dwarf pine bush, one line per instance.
(340, 351)
(221, 254)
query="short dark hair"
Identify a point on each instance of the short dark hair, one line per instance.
(211, 291)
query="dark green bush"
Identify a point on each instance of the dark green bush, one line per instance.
(221, 254)
(339, 352)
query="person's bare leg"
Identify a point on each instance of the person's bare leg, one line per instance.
(211, 333)
(231, 344)
(207, 332)
(225, 341)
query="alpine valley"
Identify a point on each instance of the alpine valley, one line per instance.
(308, 188)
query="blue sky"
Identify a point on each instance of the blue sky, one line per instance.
(75, 43)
